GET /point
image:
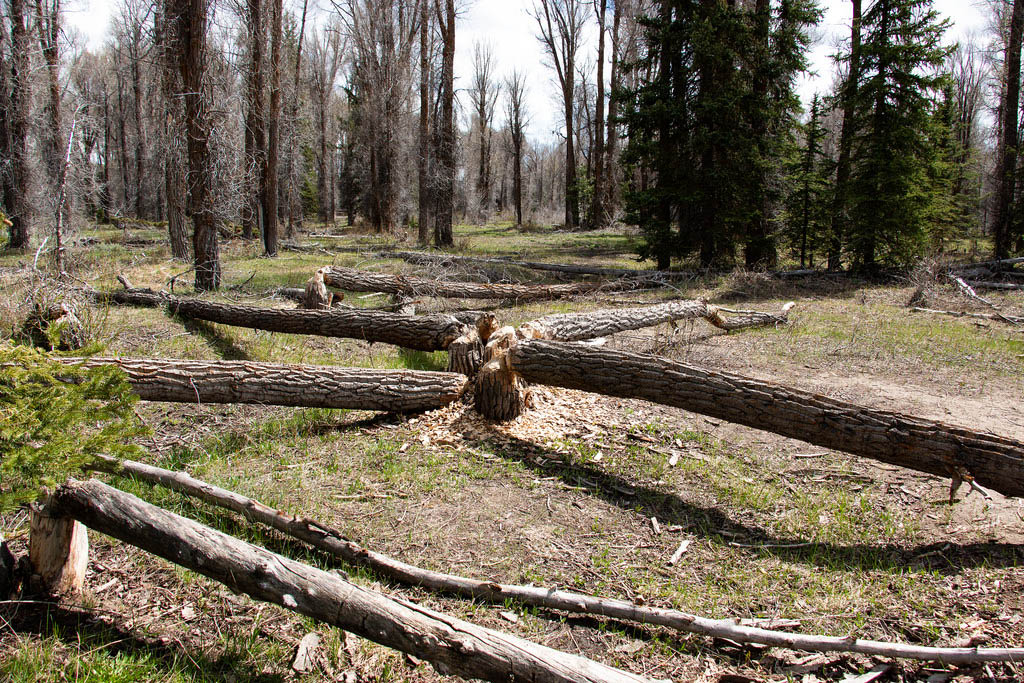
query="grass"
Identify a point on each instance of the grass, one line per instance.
(825, 539)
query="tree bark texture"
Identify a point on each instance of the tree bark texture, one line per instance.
(270, 183)
(426, 198)
(924, 445)
(309, 386)
(1006, 166)
(353, 280)
(21, 102)
(324, 537)
(846, 135)
(444, 197)
(564, 268)
(174, 167)
(255, 120)
(419, 332)
(58, 550)
(453, 646)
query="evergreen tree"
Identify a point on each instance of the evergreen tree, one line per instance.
(891, 197)
(809, 199)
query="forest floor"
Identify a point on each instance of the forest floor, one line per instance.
(564, 495)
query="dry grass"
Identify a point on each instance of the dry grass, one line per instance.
(564, 495)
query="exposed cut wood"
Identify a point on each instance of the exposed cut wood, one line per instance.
(453, 646)
(924, 445)
(58, 550)
(419, 332)
(353, 280)
(316, 296)
(311, 386)
(326, 538)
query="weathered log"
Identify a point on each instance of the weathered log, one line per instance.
(453, 646)
(1007, 286)
(580, 326)
(70, 331)
(353, 280)
(324, 537)
(465, 354)
(936, 448)
(424, 258)
(1013, 320)
(419, 332)
(310, 386)
(989, 264)
(58, 550)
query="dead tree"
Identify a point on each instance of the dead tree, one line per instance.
(18, 192)
(189, 18)
(516, 118)
(923, 445)
(445, 129)
(561, 26)
(453, 646)
(48, 27)
(294, 207)
(1007, 153)
(309, 386)
(173, 152)
(424, 184)
(598, 217)
(269, 186)
(325, 58)
(255, 119)
(484, 95)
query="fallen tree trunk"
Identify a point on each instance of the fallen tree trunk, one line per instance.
(326, 538)
(933, 447)
(453, 646)
(310, 386)
(989, 264)
(1013, 320)
(1009, 286)
(424, 258)
(580, 326)
(419, 332)
(353, 280)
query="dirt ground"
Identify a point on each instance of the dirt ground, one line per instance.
(779, 531)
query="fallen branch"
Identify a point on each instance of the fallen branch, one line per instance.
(332, 541)
(927, 446)
(1008, 286)
(420, 332)
(453, 646)
(969, 292)
(1013, 320)
(310, 386)
(353, 280)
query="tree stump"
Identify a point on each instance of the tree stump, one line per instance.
(317, 296)
(58, 550)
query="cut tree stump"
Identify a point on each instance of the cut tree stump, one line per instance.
(947, 451)
(58, 550)
(350, 279)
(418, 332)
(309, 386)
(453, 646)
(316, 296)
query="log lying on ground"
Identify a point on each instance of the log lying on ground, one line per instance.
(453, 646)
(933, 447)
(424, 258)
(419, 332)
(354, 280)
(326, 538)
(310, 386)
(1013, 320)
(1008, 286)
(989, 264)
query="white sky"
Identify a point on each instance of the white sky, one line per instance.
(507, 25)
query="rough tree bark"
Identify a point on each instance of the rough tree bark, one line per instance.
(269, 187)
(598, 214)
(445, 164)
(255, 121)
(923, 445)
(174, 170)
(1006, 167)
(453, 646)
(418, 332)
(847, 97)
(420, 257)
(426, 198)
(324, 537)
(310, 386)
(363, 281)
(21, 102)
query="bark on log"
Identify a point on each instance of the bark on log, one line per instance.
(989, 264)
(453, 646)
(423, 258)
(316, 297)
(332, 541)
(1013, 320)
(422, 333)
(465, 354)
(58, 549)
(310, 386)
(1008, 286)
(353, 280)
(993, 461)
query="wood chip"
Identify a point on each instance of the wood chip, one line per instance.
(679, 551)
(306, 653)
(655, 526)
(873, 675)
(510, 616)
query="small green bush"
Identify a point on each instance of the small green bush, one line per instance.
(55, 418)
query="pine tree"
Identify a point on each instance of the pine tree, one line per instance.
(891, 197)
(809, 199)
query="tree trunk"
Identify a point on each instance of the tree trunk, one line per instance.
(914, 443)
(420, 257)
(453, 646)
(190, 18)
(322, 536)
(58, 551)
(598, 215)
(255, 122)
(174, 171)
(1006, 167)
(846, 135)
(294, 205)
(445, 198)
(185, 381)
(423, 162)
(48, 23)
(270, 174)
(21, 102)
(611, 182)
(422, 333)
(363, 281)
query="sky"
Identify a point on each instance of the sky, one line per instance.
(511, 31)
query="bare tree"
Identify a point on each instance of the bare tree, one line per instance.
(484, 95)
(515, 115)
(561, 27)
(173, 152)
(1006, 165)
(325, 55)
(426, 197)
(48, 27)
(444, 207)
(189, 18)
(270, 170)
(17, 177)
(598, 215)
(255, 119)
(294, 209)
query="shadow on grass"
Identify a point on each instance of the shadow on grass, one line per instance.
(221, 343)
(84, 631)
